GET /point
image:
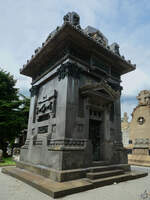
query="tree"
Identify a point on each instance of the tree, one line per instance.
(24, 110)
(13, 111)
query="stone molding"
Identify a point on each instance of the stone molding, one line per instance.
(67, 144)
(142, 143)
(103, 85)
(37, 142)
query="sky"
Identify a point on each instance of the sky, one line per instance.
(24, 25)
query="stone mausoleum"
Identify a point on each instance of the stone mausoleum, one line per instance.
(74, 128)
(75, 99)
(139, 135)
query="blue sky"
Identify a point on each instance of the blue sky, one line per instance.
(26, 24)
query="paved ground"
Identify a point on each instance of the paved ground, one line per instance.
(13, 189)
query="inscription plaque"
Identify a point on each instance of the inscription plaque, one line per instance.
(43, 129)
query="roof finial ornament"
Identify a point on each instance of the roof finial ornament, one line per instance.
(72, 18)
(115, 48)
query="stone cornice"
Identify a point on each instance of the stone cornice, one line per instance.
(65, 28)
(100, 86)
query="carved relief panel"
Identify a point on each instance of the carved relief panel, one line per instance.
(46, 107)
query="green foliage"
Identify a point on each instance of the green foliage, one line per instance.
(24, 110)
(13, 110)
(7, 161)
(7, 90)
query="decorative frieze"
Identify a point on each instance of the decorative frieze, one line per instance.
(140, 151)
(142, 142)
(67, 144)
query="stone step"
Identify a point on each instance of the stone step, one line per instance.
(57, 189)
(124, 167)
(104, 174)
(100, 163)
(118, 178)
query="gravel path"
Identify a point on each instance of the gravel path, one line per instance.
(13, 189)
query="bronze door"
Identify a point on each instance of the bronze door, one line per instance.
(94, 136)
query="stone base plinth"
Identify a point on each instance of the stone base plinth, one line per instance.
(135, 159)
(56, 175)
(57, 189)
(68, 175)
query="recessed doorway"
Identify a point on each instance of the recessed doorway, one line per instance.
(94, 136)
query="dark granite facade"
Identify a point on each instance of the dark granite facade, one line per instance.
(75, 99)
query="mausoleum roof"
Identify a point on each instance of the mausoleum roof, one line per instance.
(89, 38)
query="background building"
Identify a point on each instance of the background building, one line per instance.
(125, 127)
(139, 131)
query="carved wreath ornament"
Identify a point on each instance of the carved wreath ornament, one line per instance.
(68, 69)
(141, 120)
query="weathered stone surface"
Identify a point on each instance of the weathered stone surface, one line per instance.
(137, 131)
(139, 159)
(74, 114)
(57, 190)
(125, 128)
(72, 18)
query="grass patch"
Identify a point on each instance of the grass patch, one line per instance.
(7, 161)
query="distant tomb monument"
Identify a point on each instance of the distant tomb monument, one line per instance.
(125, 128)
(139, 136)
(74, 128)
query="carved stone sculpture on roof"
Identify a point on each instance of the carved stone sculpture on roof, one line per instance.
(96, 35)
(115, 48)
(73, 18)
